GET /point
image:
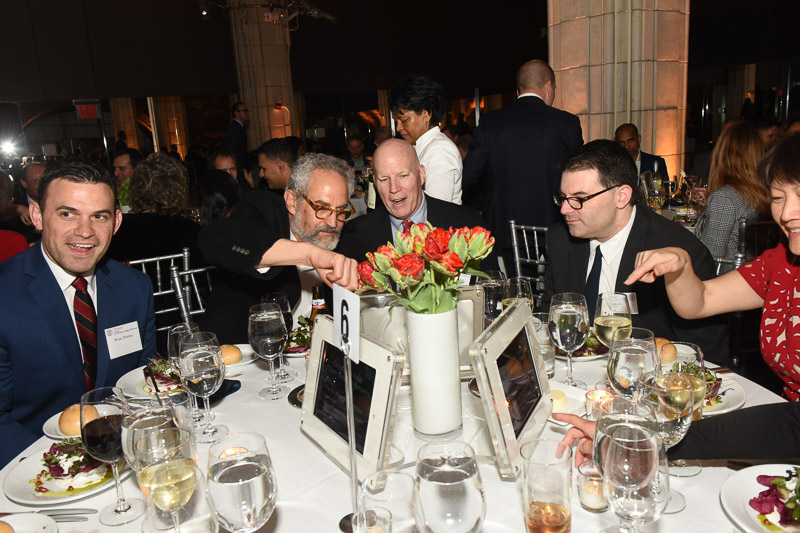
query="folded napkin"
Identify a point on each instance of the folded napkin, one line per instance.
(229, 386)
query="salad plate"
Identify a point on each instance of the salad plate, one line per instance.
(133, 385)
(740, 488)
(31, 522)
(733, 397)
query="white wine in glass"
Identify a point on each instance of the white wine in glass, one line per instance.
(612, 313)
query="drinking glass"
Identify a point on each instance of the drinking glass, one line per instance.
(547, 485)
(241, 482)
(656, 199)
(284, 374)
(448, 496)
(689, 361)
(632, 361)
(202, 373)
(493, 292)
(178, 500)
(672, 397)
(373, 520)
(518, 288)
(153, 448)
(569, 327)
(180, 402)
(612, 313)
(546, 348)
(393, 491)
(266, 332)
(621, 409)
(174, 336)
(635, 478)
(135, 424)
(102, 439)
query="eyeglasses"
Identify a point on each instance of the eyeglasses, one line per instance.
(576, 202)
(323, 211)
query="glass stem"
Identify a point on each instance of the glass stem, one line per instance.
(122, 505)
(569, 369)
(272, 387)
(176, 524)
(196, 416)
(209, 428)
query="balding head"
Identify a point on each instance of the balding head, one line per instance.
(399, 177)
(536, 76)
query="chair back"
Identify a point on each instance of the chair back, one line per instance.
(191, 295)
(530, 256)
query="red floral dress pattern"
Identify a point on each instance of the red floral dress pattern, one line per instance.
(777, 281)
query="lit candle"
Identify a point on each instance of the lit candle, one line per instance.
(590, 488)
(596, 401)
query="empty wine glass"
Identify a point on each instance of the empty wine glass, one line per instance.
(174, 335)
(449, 493)
(102, 439)
(179, 500)
(632, 361)
(612, 313)
(202, 373)
(135, 424)
(267, 334)
(635, 478)
(569, 327)
(241, 482)
(284, 374)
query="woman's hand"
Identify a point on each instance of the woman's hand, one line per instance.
(654, 263)
(582, 430)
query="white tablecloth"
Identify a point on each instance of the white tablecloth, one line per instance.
(313, 494)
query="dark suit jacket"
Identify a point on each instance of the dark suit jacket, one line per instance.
(41, 372)
(365, 233)
(236, 142)
(236, 244)
(648, 163)
(143, 235)
(520, 148)
(569, 260)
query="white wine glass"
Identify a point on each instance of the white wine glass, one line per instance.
(202, 373)
(632, 361)
(241, 482)
(174, 335)
(152, 449)
(635, 478)
(612, 313)
(284, 373)
(568, 324)
(178, 500)
(518, 289)
(267, 334)
(102, 439)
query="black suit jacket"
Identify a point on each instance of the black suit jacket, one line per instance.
(236, 244)
(648, 163)
(520, 148)
(365, 233)
(569, 260)
(236, 142)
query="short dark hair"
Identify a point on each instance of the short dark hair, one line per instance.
(251, 166)
(295, 143)
(765, 123)
(218, 193)
(76, 172)
(212, 159)
(133, 154)
(354, 137)
(418, 94)
(626, 126)
(280, 148)
(781, 163)
(235, 107)
(611, 161)
(30, 165)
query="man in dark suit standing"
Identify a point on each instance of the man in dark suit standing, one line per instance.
(627, 136)
(270, 244)
(603, 230)
(236, 136)
(520, 147)
(399, 179)
(71, 320)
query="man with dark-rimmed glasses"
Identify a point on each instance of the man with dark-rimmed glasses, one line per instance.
(593, 250)
(269, 245)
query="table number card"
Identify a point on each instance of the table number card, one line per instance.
(346, 320)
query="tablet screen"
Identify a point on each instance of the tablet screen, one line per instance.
(520, 384)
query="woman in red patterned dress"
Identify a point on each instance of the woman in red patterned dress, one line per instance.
(771, 281)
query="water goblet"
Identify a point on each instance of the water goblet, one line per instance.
(632, 360)
(612, 313)
(266, 332)
(202, 373)
(102, 439)
(143, 420)
(180, 402)
(621, 409)
(178, 500)
(241, 482)
(284, 374)
(174, 335)
(569, 327)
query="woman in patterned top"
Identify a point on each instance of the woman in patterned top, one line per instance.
(771, 281)
(733, 188)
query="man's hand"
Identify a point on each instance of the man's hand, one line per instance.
(23, 213)
(654, 263)
(334, 268)
(582, 430)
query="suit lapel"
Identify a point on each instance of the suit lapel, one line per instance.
(578, 263)
(48, 297)
(106, 299)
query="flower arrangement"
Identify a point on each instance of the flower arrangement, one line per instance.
(425, 266)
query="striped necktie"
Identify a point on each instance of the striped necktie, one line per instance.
(407, 223)
(86, 320)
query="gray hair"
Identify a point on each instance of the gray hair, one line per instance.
(308, 163)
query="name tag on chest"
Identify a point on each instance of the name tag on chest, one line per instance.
(123, 339)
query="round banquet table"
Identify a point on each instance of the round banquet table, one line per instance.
(313, 493)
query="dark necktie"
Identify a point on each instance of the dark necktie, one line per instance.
(593, 283)
(86, 320)
(407, 223)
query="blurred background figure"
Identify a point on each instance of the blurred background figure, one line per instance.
(11, 242)
(218, 194)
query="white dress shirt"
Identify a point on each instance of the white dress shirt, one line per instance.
(65, 281)
(612, 256)
(443, 165)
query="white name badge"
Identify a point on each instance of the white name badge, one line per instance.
(632, 302)
(123, 339)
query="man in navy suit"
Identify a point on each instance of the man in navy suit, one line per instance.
(236, 136)
(627, 136)
(520, 148)
(45, 362)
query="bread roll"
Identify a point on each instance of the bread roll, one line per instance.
(669, 354)
(231, 354)
(70, 420)
(5, 527)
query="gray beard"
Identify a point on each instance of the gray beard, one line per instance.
(313, 237)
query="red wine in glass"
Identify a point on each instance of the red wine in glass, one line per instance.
(102, 438)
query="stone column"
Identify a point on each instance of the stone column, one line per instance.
(170, 122)
(123, 117)
(263, 71)
(619, 61)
